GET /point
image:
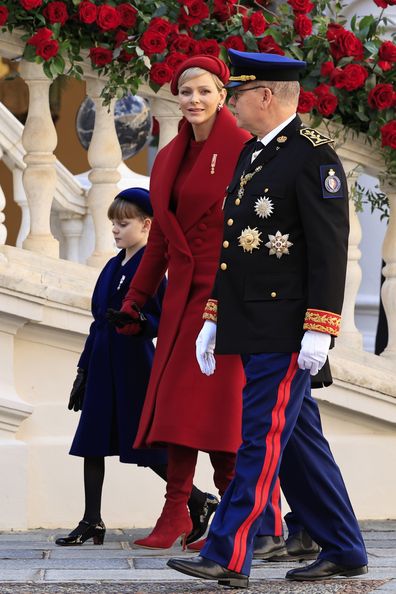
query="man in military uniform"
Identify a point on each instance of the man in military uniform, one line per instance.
(277, 302)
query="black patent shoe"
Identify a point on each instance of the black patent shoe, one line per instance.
(270, 548)
(200, 517)
(83, 532)
(301, 547)
(324, 570)
(206, 569)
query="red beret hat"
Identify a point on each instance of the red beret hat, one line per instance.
(209, 63)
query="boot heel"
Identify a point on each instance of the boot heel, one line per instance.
(242, 582)
(98, 539)
(183, 541)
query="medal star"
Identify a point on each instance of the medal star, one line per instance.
(264, 207)
(249, 239)
(278, 244)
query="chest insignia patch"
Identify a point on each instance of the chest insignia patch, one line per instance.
(249, 239)
(278, 244)
(264, 207)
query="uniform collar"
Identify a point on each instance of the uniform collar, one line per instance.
(268, 137)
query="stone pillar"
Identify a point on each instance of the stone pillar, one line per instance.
(13, 453)
(72, 228)
(388, 291)
(3, 228)
(168, 115)
(21, 200)
(39, 178)
(104, 156)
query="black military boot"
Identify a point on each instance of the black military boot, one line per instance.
(270, 548)
(301, 547)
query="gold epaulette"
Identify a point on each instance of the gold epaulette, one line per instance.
(315, 137)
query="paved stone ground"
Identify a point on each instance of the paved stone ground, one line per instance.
(30, 563)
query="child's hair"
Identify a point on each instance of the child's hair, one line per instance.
(123, 209)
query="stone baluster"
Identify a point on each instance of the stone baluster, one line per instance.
(350, 336)
(72, 229)
(104, 156)
(388, 291)
(21, 200)
(39, 178)
(3, 228)
(168, 115)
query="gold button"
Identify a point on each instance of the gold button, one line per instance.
(266, 190)
(237, 201)
(226, 244)
(273, 294)
(230, 222)
(223, 266)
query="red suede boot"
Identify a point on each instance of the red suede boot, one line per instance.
(174, 521)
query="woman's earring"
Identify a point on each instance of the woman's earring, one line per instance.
(219, 107)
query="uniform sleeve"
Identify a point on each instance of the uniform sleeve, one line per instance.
(322, 197)
(151, 269)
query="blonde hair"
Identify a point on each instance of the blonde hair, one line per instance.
(190, 73)
(123, 209)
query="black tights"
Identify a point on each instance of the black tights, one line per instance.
(94, 471)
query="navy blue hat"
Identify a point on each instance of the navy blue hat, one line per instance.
(138, 196)
(249, 66)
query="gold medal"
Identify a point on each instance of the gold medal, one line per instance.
(249, 239)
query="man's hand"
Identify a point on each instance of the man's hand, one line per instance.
(78, 391)
(127, 322)
(314, 350)
(204, 348)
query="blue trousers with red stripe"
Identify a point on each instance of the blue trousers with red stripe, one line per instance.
(280, 419)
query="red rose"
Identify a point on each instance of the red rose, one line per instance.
(56, 12)
(128, 15)
(387, 52)
(333, 30)
(345, 43)
(381, 96)
(193, 13)
(234, 42)
(257, 23)
(161, 25)
(126, 56)
(208, 47)
(87, 12)
(31, 4)
(152, 42)
(161, 73)
(3, 15)
(100, 56)
(381, 3)
(327, 104)
(322, 89)
(47, 49)
(337, 78)
(223, 10)
(306, 101)
(388, 134)
(302, 6)
(174, 59)
(41, 35)
(108, 17)
(326, 68)
(303, 25)
(268, 45)
(183, 43)
(385, 66)
(355, 76)
(120, 37)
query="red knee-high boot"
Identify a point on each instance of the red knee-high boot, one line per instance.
(174, 521)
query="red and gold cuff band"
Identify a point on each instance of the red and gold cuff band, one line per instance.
(210, 312)
(322, 321)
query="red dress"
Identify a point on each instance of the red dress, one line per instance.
(182, 405)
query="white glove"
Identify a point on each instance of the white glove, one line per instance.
(314, 350)
(204, 347)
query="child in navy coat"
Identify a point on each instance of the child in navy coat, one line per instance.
(113, 370)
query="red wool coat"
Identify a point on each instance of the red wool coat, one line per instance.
(182, 405)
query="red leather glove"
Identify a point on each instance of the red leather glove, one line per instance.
(129, 321)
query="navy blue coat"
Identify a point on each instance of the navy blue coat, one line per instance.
(118, 370)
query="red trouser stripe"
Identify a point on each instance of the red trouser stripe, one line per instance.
(272, 454)
(278, 530)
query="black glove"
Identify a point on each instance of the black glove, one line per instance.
(78, 391)
(120, 319)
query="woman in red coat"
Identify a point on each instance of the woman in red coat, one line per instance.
(184, 409)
